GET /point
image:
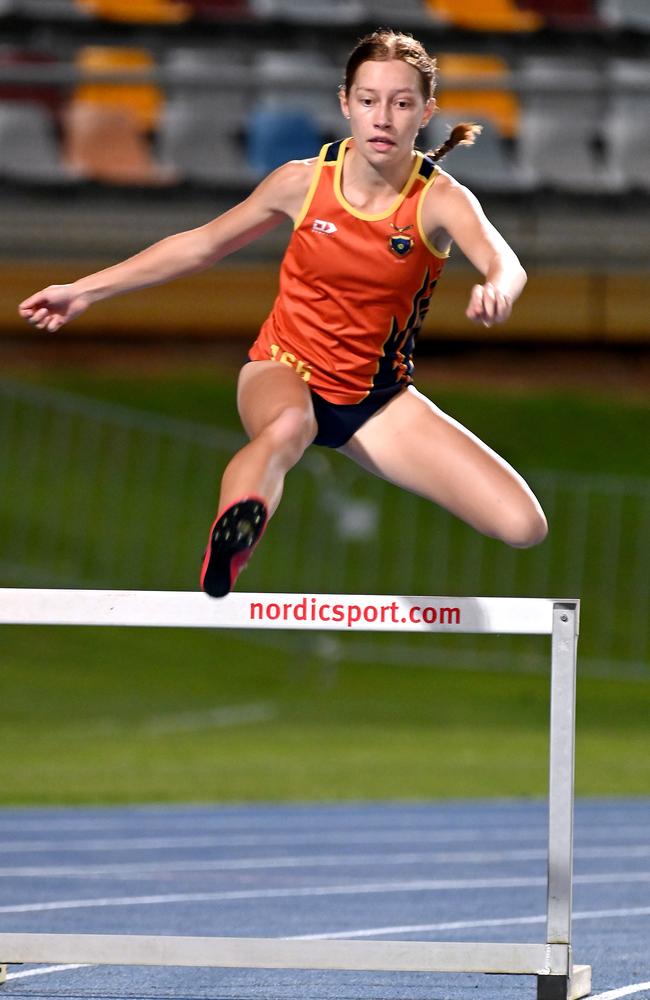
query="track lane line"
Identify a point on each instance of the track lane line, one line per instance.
(362, 888)
(45, 971)
(157, 869)
(456, 925)
(623, 991)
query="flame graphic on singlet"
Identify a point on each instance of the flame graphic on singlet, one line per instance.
(396, 362)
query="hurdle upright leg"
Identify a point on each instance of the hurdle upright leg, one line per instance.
(577, 981)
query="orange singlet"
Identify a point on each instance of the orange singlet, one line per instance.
(354, 288)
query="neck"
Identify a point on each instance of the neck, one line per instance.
(376, 178)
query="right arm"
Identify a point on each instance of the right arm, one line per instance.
(277, 197)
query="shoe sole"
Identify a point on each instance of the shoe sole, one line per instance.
(236, 531)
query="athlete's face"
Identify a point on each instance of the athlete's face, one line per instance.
(386, 107)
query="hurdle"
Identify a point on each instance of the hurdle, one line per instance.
(550, 961)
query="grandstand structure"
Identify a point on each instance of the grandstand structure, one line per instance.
(124, 120)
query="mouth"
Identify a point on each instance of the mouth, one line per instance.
(382, 142)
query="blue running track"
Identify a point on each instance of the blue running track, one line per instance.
(442, 871)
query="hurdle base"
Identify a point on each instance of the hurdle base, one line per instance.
(572, 987)
(287, 953)
(3, 973)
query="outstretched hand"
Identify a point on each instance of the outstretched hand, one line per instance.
(487, 305)
(50, 308)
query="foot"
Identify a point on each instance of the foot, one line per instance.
(233, 537)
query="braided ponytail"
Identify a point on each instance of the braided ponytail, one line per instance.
(463, 134)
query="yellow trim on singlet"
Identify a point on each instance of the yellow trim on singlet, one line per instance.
(430, 247)
(355, 211)
(312, 187)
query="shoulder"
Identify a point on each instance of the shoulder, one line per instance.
(446, 206)
(446, 194)
(285, 189)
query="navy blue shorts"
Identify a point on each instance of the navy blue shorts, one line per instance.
(337, 422)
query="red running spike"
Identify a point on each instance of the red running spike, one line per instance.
(233, 536)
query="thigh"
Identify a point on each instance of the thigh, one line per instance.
(413, 444)
(269, 392)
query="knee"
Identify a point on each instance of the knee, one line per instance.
(526, 529)
(290, 432)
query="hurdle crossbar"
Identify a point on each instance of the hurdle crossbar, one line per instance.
(550, 961)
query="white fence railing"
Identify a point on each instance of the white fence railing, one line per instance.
(97, 495)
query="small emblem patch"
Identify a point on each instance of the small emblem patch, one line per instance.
(320, 226)
(401, 245)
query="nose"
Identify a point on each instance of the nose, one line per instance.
(384, 117)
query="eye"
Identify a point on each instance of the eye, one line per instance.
(403, 104)
(366, 101)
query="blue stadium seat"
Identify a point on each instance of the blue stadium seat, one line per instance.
(276, 135)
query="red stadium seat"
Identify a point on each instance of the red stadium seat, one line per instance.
(564, 13)
(220, 10)
(52, 96)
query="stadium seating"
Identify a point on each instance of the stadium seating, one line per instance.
(138, 11)
(412, 13)
(486, 165)
(314, 11)
(564, 13)
(627, 137)
(63, 10)
(486, 15)
(281, 79)
(633, 14)
(219, 10)
(142, 100)
(29, 150)
(480, 86)
(277, 135)
(558, 115)
(214, 78)
(105, 144)
(50, 95)
(202, 147)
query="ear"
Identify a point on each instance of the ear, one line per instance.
(430, 109)
(343, 101)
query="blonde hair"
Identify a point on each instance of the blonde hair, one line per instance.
(385, 44)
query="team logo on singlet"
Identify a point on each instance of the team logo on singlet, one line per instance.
(320, 226)
(400, 244)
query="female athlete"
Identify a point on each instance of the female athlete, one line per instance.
(373, 221)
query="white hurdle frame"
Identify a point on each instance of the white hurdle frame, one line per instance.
(551, 961)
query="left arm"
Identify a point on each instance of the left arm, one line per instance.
(452, 213)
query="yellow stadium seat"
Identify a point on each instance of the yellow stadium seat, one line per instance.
(486, 15)
(138, 11)
(143, 101)
(496, 102)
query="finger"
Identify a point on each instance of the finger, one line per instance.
(38, 316)
(503, 307)
(475, 307)
(53, 324)
(28, 305)
(489, 302)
